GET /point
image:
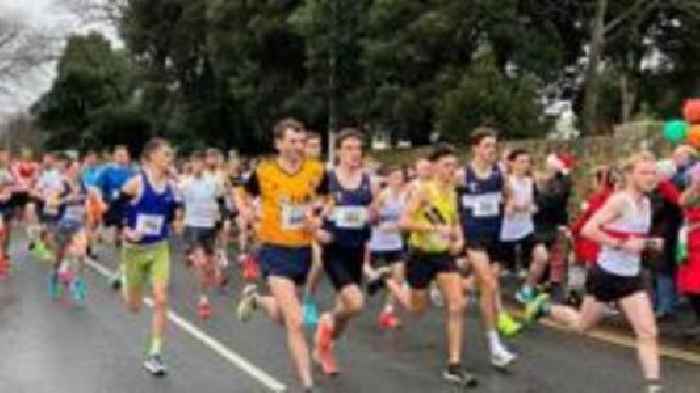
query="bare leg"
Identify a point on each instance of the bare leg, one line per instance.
(639, 312)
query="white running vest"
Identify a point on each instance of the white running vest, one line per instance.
(635, 221)
(518, 225)
(390, 214)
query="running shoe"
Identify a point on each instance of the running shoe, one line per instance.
(154, 364)
(204, 309)
(116, 281)
(654, 388)
(501, 358)
(323, 353)
(537, 308)
(78, 290)
(508, 326)
(248, 303)
(454, 374)
(309, 311)
(387, 320)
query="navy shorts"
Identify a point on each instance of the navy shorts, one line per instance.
(292, 263)
(114, 216)
(490, 244)
(423, 267)
(343, 265)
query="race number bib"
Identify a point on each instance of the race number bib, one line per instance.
(487, 205)
(149, 224)
(74, 213)
(350, 217)
(293, 216)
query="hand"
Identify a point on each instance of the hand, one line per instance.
(565, 231)
(655, 244)
(133, 235)
(456, 248)
(323, 236)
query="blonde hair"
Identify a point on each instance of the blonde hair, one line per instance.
(631, 162)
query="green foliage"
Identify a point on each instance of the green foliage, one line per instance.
(485, 95)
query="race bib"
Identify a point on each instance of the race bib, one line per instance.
(350, 217)
(293, 217)
(487, 205)
(115, 194)
(74, 213)
(149, 224)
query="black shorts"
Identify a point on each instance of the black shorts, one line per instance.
(490, 244)
(422, 267)
(343, 265)
(526, 245)
(114, 216)
(292, 263)
(200, 237)
(607, 287)
(386, 258)
(19, 199)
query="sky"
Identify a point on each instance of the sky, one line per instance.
(48, 16)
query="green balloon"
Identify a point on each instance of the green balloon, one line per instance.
(675, 131)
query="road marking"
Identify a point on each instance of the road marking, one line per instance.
(232, 357)
(619, 339)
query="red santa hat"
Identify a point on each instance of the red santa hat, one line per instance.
(561, 162)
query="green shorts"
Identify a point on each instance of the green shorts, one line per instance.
(139, 261)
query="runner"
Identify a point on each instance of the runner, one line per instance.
(287, 187)
(386, 246)
(482, 198)
(621, 227)
(70, 237)
(149, 209)
(202, 197)
(431, 218)
(347, 230)
(109, 182)
(45, 198)
(6, 214)
(25, 172)
(95, 207)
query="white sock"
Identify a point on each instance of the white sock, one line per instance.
(495, 344)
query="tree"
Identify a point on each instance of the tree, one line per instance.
(92, 79)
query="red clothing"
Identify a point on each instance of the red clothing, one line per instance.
(25, 174)
(587, 250)
(688, 276)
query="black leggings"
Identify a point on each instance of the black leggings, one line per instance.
(695, 303)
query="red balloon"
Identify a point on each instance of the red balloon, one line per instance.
(691, 110)
(694, 136)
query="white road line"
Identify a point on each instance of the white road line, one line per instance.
(232, 357)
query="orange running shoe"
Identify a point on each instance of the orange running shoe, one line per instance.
(204, 309)
(387, 320)
(323, 352)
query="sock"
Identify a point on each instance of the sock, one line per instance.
(527, 291)
(494, 341)
(389, 308)
(156, 345)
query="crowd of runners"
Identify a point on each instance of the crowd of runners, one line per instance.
(434, 233)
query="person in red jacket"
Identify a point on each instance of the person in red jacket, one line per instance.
(688, 276)
(603, 186)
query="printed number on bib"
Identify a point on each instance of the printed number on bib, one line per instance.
(350, 217)
(293, 217)
(74, 213)
(149, 224)
(486, 205)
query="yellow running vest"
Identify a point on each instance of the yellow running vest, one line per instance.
(284, 199)
(436, 205)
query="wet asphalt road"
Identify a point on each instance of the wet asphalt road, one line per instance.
(48, 347)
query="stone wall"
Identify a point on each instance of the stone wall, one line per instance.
(589, 151)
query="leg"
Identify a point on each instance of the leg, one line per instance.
(540, 257)
(451, 286)
(349, 303)
(488, 285)
(316, 272)
(284, 293)
(639, 312)
(580, 321)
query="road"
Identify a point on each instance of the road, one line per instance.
(49, 347)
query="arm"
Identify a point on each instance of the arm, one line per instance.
(612, 209)
(407, 223)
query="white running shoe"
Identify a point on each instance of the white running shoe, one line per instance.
(247, 304)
